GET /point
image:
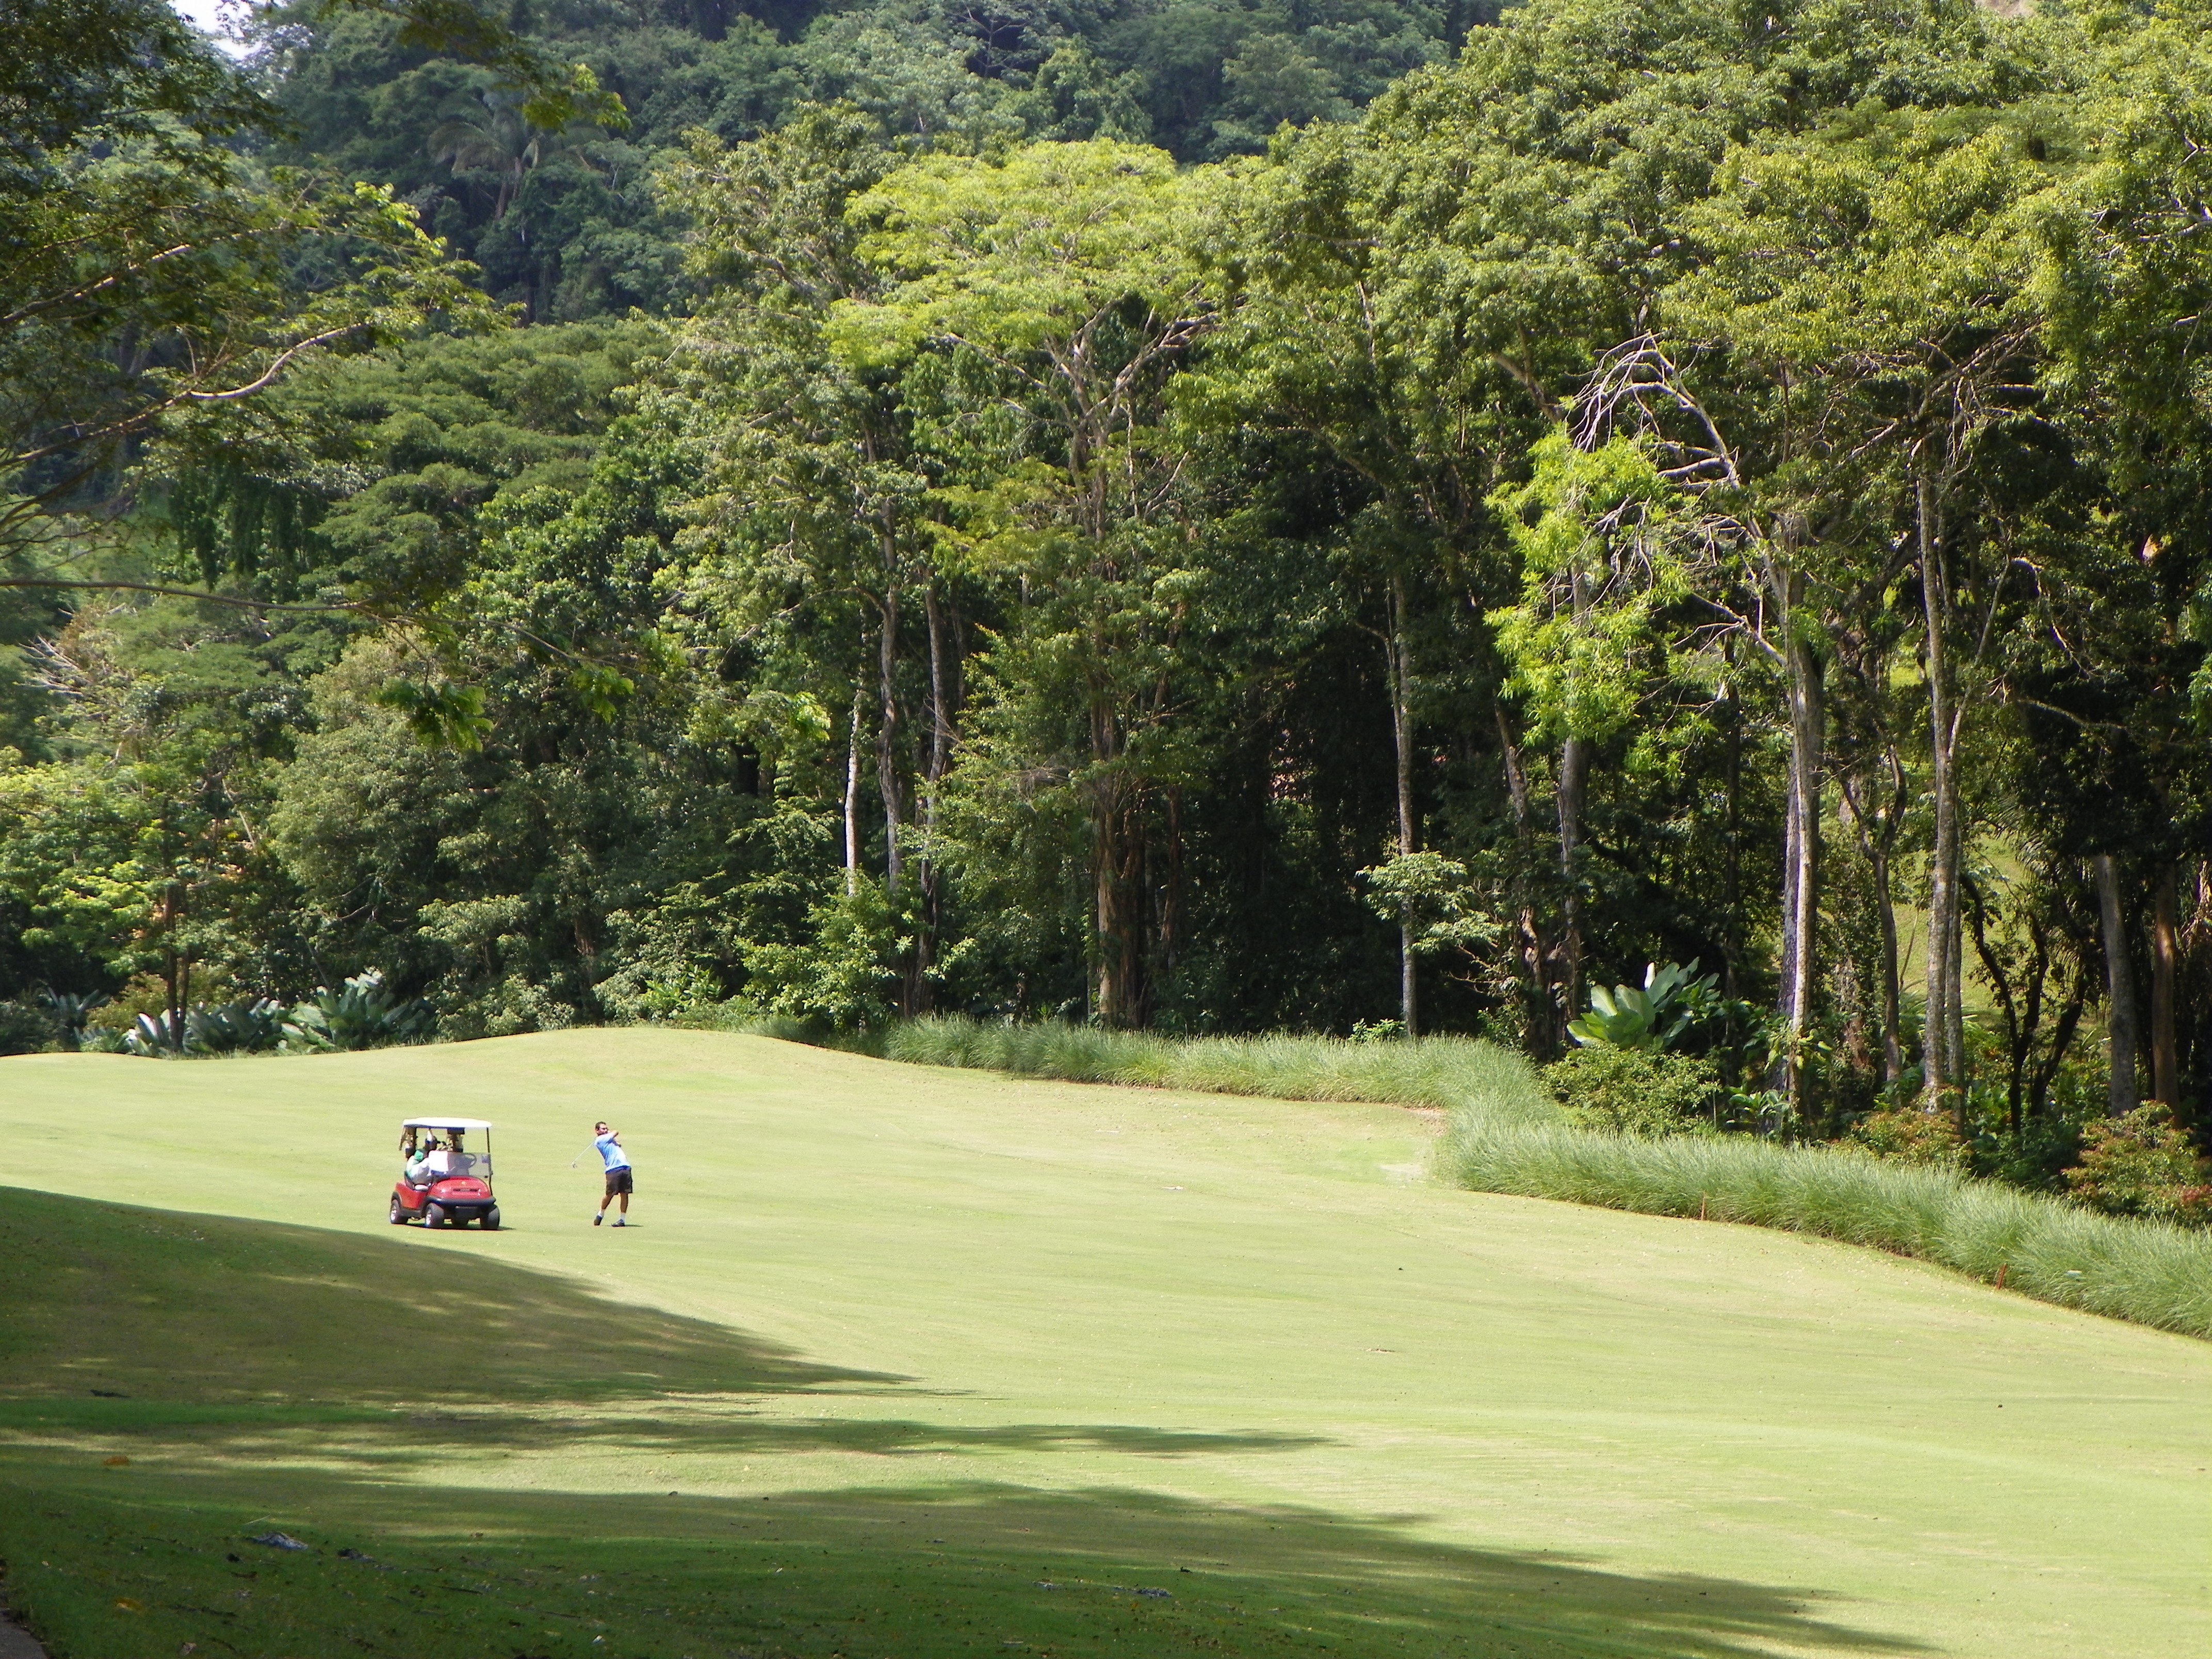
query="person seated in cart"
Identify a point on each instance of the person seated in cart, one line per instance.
(442, 1182)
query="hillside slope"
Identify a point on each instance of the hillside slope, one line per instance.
(911, 1361)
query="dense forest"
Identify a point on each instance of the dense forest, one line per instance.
(1355, 516)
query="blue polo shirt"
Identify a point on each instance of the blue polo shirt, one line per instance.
(616, 1158)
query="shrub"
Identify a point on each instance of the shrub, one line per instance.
(845, 975)
(158, 1035)
(1906, 1134)
(233, 1028)
(71, 1010)
(1672, 1000)
(243, 1026)
(25, 1029)
(146, 994)
(1634, 1091)
(514, 1005)
(363, 1015)
(2142, 1164)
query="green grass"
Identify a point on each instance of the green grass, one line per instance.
(2143, 1271)
(1509, 1136)
(894, 1347)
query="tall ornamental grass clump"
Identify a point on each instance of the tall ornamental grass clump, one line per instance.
(1459, 1074)
(2147, 1272)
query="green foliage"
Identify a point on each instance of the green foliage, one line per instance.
(1448, 908)
(1112, 561)
(364, 1013)
(2145, 1271)
(443, 716)
(844, 973)
(1013, 254)
(1908, 1135)
(26, 1029)
(1672, 999)
(2144, 1163)
(138, 218)
(1635, 1090)
(506, 140)
(1602, 541)
(71, 1011)
(244, 1025)
(241, 1026)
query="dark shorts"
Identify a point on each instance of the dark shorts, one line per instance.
(618, 1180)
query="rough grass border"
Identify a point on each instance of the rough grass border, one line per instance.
(1450, 1073)
(2145, 1272)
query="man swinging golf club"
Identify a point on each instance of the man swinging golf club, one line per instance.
(608, 1144)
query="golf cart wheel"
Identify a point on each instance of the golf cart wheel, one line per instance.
(399, 1214)
(433, 1215)
(491, 1222)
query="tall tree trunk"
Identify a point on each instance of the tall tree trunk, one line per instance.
(179, 987)
(1801, 845)
(1893, 1037)
(1119, 900)
(1876, 850)
(2020, 1007)
(1574, 789)
(1731, 714)
(1401, 722)
(1168, 922)
(1535, 948)
(2164, 1044)
(1731, 717)
(1118, 874)
(2042, 1075)
(1574, 782)
(1942, 1038)
(888, 782)
(2120, 1096)
(177, 991)
(2038, 975)
(936, 759)
(853, 793)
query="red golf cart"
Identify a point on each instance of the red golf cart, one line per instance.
(446, 1181)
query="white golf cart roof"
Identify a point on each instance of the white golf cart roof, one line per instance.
(445, 1123)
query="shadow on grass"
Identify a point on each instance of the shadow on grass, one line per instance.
(394, 1443)
(125, 1319)
(153, 1304)
(919, 1573)
(175, 1385)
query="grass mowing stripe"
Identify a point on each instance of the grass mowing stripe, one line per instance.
(1508, 1136)
(2142, 1271)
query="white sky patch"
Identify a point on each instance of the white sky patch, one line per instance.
(215, 18)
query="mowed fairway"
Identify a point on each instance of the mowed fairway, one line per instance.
(903, 1362)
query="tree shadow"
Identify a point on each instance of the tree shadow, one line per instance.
(149, 1304)
(393, 1442)
(180, 1385)
(141, 1319)
(918, 1573)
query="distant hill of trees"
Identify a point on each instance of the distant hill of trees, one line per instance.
(564, 222)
